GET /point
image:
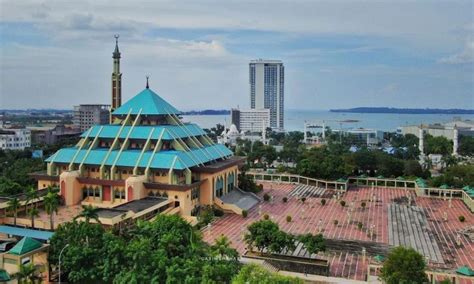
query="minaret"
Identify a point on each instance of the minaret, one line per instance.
(116, 80)
(455, 140)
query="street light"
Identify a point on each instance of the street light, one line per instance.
(60, 253)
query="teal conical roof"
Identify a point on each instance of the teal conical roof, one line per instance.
(4, 276)
(26, 244)
(149, 103)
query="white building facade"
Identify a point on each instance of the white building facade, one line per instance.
(15, 139)
(267, 89)
(251, 120)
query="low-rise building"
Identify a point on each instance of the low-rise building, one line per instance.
(15, 138)
(53, 134)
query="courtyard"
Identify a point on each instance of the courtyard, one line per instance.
(429, 225)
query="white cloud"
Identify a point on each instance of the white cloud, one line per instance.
(463, 57)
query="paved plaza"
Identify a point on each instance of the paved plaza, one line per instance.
(431, 225)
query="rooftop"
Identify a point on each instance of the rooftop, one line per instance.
(146, 102)
(22, 232)
(140, 204)
(311, 217)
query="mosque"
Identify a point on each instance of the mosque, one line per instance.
(146, 161)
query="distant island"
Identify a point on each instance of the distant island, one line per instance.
(405, 110)
(206, 112)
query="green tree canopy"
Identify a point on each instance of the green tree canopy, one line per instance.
(166, 250)
(313, 243)
(255, 274)
(404, 265)
(466, 145)
(266, 234)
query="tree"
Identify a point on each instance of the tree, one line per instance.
(466, 145)
(27, 274)
(456, 176)
(13, 205)
(265, 234)
(9, 187)
(246, 183)
(89, 212)
(255, 274)
(413, 168)
(437, 145)
(51, 204)
(404, 265)
(33, 213)
(165, 250)
(31, 196)
(313, 243)
(223, 264)
(86, 242)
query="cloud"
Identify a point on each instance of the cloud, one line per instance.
(463, 57)
(197, 52)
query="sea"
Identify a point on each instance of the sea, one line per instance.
(295, 119)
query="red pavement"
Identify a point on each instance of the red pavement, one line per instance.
(312, 217)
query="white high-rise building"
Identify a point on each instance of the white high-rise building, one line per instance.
(267, 89)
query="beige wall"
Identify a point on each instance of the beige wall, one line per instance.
(207, 187)
(45, 183)
(72, 187)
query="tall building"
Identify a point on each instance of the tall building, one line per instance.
(267, 89)
(251, 120)
(85, 116)
(116, 80)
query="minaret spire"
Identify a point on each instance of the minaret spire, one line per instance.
(116, 79)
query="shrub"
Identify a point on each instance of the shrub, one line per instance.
(359, 225)
(245, 213)
(462, 218)
(363, 204)
(266, 217)
(303, 199)
(288, 218)
(323, 202)
(343, 203)
(285, 199)
(335, 222)
(266, 197)
(218, 212)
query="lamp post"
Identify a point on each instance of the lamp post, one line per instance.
(60, 253)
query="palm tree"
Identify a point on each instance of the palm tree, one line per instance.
(13, 205)
(89, 212)
(33, 212)
(51, 204)
(27, 274)
(223, 250)
(31, 196)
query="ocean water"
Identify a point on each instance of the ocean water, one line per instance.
(294, 119)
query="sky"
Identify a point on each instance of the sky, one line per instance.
(337, 54)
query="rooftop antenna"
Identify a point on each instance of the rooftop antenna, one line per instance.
(147, 85)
